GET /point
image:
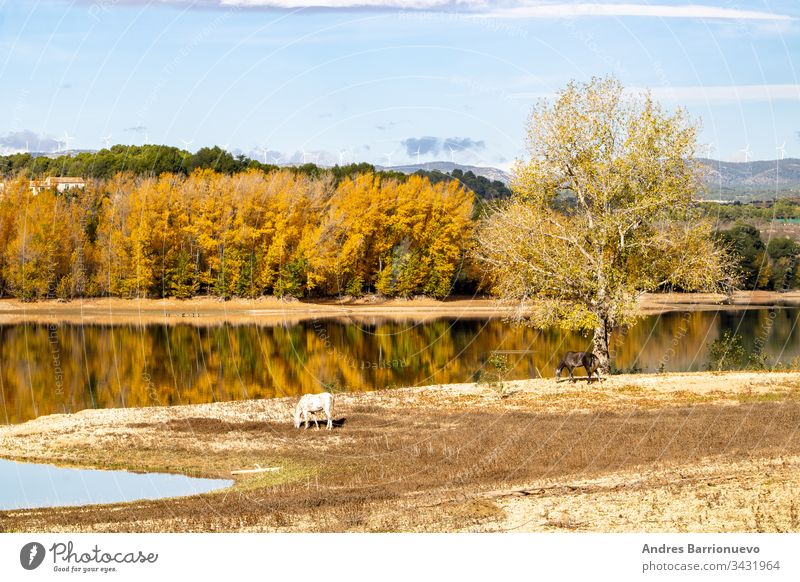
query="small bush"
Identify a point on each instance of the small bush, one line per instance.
(727, 352)
(494, 372)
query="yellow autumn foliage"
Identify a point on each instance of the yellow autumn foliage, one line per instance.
(249, 234)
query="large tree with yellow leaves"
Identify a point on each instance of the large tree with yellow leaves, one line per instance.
(602, 213)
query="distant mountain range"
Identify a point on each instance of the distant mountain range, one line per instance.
(58, 154)
(725, 180)
(752, 180)
(743, 181)
(448, 167)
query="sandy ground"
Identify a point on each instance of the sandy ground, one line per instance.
(663, 302)
(710, 452)
(266, 310)
(208, 310)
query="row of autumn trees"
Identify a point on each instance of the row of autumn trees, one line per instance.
(773, 265)
(247, 234)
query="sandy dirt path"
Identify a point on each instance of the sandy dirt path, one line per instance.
(269, 310)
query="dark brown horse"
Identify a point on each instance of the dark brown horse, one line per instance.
(586, 360)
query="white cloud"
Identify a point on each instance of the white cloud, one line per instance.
(27, 141)
(392, 4)
(728, 93)
(508, 8)
(433, 145)
(703, 94)
(571, 10)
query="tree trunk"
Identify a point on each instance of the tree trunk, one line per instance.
(600, 341)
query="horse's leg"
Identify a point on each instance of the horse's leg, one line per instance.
(571, 377)
(305, 419)
(329, 417)
(591, 368)
(316, 424)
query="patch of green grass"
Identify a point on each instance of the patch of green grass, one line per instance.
(689, 397)
(777, 396)
(290, 471)
(629, 389)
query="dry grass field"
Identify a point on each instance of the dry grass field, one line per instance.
(675, 452)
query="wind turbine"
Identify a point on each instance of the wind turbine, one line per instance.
(389, 158)
(264, 151)
(452, 157)
(106, 140)
(418, 147)
(708, 148)
(746, 152)
(303, 152)
(782, 150)
(341, 157)
(146, 139)
(186, 143)
(67, 137)
(276, 159)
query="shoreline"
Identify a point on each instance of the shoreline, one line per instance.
(459, 457)
(270, 310)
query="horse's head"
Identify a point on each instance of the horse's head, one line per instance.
(297, 413)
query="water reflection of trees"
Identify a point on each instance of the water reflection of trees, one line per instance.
(112, 366)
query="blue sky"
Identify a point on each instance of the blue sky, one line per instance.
(380, 80)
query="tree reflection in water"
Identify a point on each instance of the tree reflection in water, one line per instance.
(47, 369)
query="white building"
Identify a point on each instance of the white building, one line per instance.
(64, 184)
(59, 184)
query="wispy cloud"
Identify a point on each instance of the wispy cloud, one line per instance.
(389, 125)
(700, 93)
(500, 9)
(574, 10)
(333, 4)
(727, 93)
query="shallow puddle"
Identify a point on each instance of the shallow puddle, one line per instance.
(29, 485)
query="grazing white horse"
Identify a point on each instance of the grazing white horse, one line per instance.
(312, 404)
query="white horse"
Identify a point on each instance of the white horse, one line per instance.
(312, 404)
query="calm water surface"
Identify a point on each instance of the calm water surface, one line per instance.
(29, 485)
(47, 369)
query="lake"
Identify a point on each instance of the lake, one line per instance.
(61, 368)
(29, 485)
